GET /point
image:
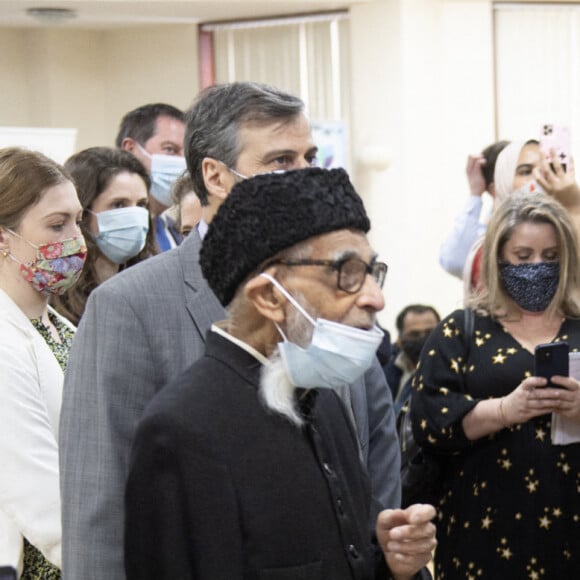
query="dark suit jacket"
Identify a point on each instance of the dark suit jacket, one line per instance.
(222, 489)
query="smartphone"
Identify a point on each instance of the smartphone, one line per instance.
(555, 137)
(551, 359)
(7, 573)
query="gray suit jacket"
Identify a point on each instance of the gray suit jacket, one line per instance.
(140, 330)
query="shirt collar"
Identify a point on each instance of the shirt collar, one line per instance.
(202, 228)
(219, 328)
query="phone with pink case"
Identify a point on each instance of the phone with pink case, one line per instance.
(555, 137)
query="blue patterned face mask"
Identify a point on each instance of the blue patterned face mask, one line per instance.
(531, 286)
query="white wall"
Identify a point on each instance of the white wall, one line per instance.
(422, 100)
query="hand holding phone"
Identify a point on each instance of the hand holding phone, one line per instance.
(557, 138)
(551, 359)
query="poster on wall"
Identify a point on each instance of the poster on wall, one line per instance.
(331, 139)
(58, 144)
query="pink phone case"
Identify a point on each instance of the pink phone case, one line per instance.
(555, 137)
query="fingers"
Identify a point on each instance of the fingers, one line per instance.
(474, 162)
(567, 383)
(474, 174)
(415, 514)
(407, 538)
(405, 565)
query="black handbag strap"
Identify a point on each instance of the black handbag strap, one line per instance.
(469, 325)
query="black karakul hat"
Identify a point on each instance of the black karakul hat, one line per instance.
(268, 213)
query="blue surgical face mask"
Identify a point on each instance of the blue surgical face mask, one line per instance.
(122, 232)
(337, 355)
(531, 286)
(165, 170)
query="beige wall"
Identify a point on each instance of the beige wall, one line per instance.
(422, 100)
(89, 78)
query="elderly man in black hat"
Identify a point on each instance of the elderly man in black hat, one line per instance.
(247, 466)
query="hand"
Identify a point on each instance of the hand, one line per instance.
(407, 538)
(557, 182)
(569, 403)
(530, 399)
(474, 174)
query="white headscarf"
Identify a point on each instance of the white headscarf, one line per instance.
(505, 170)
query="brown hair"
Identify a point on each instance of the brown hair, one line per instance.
(92, 171)
(24, 177)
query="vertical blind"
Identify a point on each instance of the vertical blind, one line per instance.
(306, 56)
(537, 63)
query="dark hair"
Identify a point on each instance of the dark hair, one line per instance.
(490, 154)
(214, 120)
(416, 309)
(181, 188)
(92, 170)
(139, 124)
(24, 177)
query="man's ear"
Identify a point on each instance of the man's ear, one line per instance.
(128, 144)
(267, 300)
(217, 178)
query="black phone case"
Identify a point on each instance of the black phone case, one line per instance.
(551, 359)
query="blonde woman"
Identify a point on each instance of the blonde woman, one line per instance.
(509, 506)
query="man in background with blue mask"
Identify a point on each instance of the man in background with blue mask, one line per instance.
(154, 134)
(247, 463)
(142, 328)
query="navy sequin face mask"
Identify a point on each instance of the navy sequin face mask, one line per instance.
(531, 286)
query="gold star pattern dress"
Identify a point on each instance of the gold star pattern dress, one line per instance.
(510, 503)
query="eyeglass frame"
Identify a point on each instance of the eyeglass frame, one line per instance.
(244, 177)
(338, 265)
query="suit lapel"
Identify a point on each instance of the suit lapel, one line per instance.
(201, 303)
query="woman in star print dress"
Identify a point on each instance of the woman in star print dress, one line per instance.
(510, 502)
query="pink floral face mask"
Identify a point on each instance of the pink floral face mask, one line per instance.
(57, 266)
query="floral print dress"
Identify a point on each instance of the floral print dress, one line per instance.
(36, 566)
(510, 503)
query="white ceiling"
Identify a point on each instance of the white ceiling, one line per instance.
(116, 13)
(113, 13)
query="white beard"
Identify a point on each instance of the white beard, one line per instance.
(276, 390)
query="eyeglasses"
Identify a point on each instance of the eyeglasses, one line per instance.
(351, 271)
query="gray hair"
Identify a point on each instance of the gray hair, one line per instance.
(214, 120)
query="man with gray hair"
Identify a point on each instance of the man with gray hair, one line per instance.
(247, 466)
(143, 327)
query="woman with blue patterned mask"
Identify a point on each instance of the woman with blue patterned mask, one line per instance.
(113, 190)
(477, 401)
